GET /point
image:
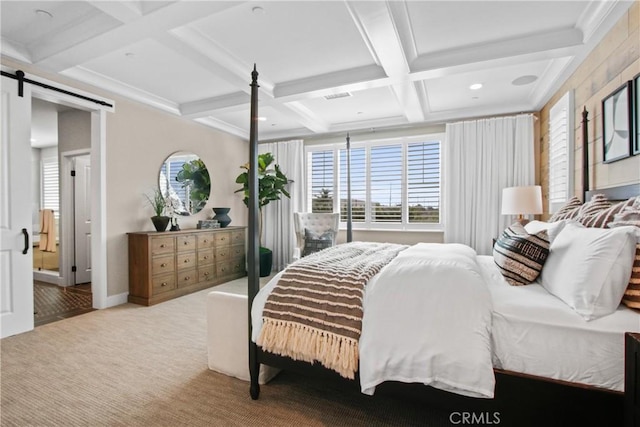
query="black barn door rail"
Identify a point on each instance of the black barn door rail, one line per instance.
(20, 77)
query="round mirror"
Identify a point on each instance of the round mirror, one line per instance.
(184, 181)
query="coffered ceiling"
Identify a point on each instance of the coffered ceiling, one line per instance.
(325, 66)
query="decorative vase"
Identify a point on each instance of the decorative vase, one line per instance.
(222, 217)
(160, 222)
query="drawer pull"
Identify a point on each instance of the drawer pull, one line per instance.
(186, 261)
(222, 239)
(186, 243)
(206, 257)
(163, 284)
(163, 245)
(205, 240)
(206, 273)
(164, 264)
(223, 254)
(223, 269)
(186, 278)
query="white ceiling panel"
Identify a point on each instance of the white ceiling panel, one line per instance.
(370, 104)
(437, 29)
(272, 119)
(450, 92)
(290, 40)
(150, 66)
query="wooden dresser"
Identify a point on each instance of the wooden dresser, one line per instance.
(165, 265)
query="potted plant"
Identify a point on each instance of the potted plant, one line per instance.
(158, 203)
(271, 186)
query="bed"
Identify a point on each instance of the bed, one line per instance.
(532, 335)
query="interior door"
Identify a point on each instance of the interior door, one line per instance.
(16, 257)
(82, 208)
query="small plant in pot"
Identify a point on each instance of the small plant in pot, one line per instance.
(271, 186)
(158, 203)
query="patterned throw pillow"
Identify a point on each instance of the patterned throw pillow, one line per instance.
(631, 296)
(520, 255)
(597, 203)
(314, 242)
(568, 211)
(603, 217)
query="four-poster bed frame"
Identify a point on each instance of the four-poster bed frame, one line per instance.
(512, 388)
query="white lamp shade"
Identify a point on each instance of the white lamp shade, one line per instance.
(522, 200)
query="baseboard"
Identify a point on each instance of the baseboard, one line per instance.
(118, 299)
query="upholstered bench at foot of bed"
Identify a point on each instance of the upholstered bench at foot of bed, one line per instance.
(227, 331)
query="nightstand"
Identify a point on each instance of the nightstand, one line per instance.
(632, 379)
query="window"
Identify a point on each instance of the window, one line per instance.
(51, 185)
(561, 152)
(394, 184)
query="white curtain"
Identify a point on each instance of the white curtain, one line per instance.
(481, 158)
(278, 233)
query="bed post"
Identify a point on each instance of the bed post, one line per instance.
(253, 256)
(349, 225)
(585, 153)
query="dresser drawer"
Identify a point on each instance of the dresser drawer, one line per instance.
(232, 267)
(223, 254)
(162, 245)
(162, 265)
(186, 260)
(237, 237)
(237, 251)
(186, 243)
(164, 283)
(187, 278)
(206, 274)
(205, 256)
(223, 239)
(205, 241)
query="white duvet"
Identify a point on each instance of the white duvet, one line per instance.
(427, 319)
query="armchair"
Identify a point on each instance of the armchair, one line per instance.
(316, 223)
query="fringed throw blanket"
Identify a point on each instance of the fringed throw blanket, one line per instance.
(314, 312)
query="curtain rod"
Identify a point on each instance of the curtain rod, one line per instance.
(19, 76)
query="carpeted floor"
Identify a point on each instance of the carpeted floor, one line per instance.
(147, 366)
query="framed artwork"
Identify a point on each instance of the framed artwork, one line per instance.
(635, 149)
(616, 124)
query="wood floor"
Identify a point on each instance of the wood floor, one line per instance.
(52, 303)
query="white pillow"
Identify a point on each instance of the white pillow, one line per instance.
(552, 228)
(589, 268)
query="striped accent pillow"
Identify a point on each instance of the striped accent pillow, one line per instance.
(631, 297)
(568, 211)
(597, 203)
(602, 218)
(520, 255)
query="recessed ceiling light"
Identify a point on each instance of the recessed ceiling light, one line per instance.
(359, 112)
(475, 86)
(41, 13)
(475, 97)
(258, 10)
(129, 54)
(524, 80)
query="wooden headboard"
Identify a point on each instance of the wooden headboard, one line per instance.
(622, 192)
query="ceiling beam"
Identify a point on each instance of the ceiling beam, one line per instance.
(378, 28)
(123, 11)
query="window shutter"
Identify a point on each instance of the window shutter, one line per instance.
(320, 184)
(386, 183)
(51, 185)
(561, 137)
(358, 185)
(423, 182)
